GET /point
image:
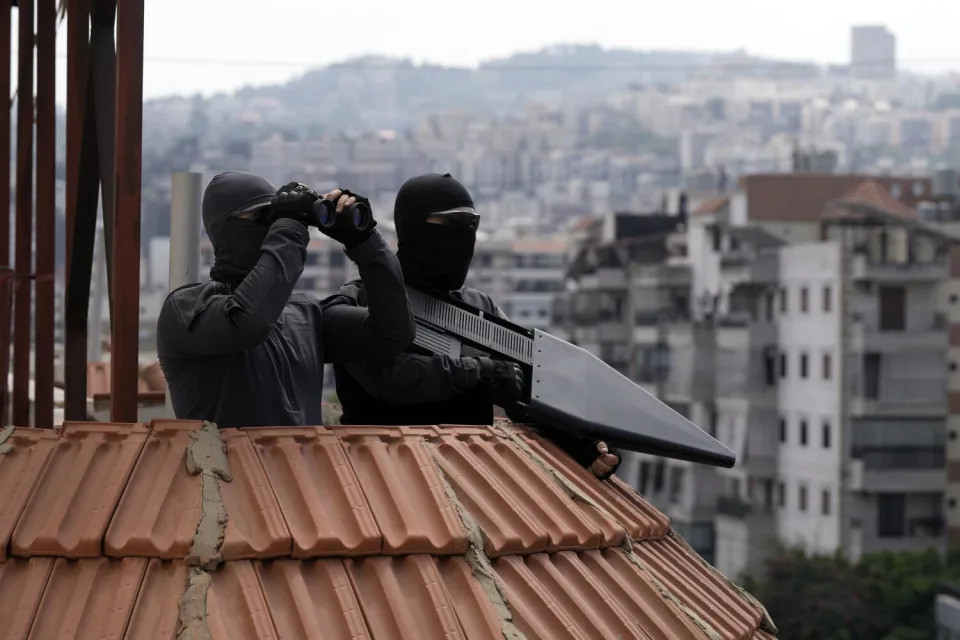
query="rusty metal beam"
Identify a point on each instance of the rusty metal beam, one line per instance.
(103, 69)
(5, 54)
(125, 321)
(46, 184)
(24, 254)
(83, 178)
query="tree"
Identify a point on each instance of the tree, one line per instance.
(885, 596)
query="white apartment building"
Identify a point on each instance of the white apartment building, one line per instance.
(830, 356)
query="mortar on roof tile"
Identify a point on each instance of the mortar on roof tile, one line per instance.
(477, 560)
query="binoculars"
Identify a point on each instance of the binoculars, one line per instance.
(355, 217)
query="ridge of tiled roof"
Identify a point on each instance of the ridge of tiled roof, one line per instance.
(873, 194)
(179, 530)
(799, 197)
(712, 204)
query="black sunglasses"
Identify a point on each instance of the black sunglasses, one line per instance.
(462, 218)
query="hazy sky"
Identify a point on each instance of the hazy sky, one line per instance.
(209, 46)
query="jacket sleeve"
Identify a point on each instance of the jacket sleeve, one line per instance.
(230, 323)
(416, 379)
(385, 327)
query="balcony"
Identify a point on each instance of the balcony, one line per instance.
(898, 470)
(743, 268)
(887, 272)
(929, 336)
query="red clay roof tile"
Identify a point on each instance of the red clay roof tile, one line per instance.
(24, 455)
(408, 595)
(347, 491)
(21, 586)
(312, 599)
(236, 606)
(88, 599)
(156, 612)
(74, 499)
(158, 512)
(318, 492)
(705, 593)
(477, 615)
(403, 486)
(615, 498)
(255, 526)
(516, 505)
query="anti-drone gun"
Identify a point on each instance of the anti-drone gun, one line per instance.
(566, 387)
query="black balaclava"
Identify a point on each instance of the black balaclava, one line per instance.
(236, 241)
(433, 257)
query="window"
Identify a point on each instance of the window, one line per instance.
(769, 305)
(827, 299)
(768, 494)
(826, 434)
(891, 508)
(717, 237)
(827, 366)
(713, 422)
(871, 376)
(783, 365)
(770, 366)
(803, 365)
(802, 497)
(783, 300)
(825, 502)
(644, 476)
(783, 429)
(676, 484)
(804, 299)
(803, 433)
(338, 259)
(893, 308)
(781, 494)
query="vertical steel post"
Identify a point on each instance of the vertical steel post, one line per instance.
(46, 184)
(24, 254)
(125, 316)
(5, 316)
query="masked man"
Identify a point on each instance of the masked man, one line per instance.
(243, 349)
(436, 232)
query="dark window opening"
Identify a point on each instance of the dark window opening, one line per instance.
(783, 429)
(804, 299)
(827, 299)
(770, 367)
(803, 433)
(802, 497)
(871, 376)
(783, 300)
(893, 308)
(781, 494)
(804, 365)
(826, 435)
(783, 365)
(825, 502)
(891, 512)
(827, 366)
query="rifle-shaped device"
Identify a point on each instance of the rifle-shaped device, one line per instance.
(566, 387)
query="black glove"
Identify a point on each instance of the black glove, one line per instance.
(505, 379)
(295, 200)
(348, 235)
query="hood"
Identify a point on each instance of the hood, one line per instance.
(433, 257)
(236, 241)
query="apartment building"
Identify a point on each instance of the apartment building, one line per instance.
(837, 405)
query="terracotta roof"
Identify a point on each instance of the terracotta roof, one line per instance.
(871, 193)
(180, 530)
(804, 197)
(710, 205)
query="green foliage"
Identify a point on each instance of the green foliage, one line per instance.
(885, 596)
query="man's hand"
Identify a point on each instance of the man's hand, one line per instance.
(605, 463)
(345, 235)
(504, 377)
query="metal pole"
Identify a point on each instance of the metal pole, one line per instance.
(125, 312)
(46, 224)
(186, 191)
(5, 53)
(24, 254)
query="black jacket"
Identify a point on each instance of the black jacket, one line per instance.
(414, 389)
(254, 356)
